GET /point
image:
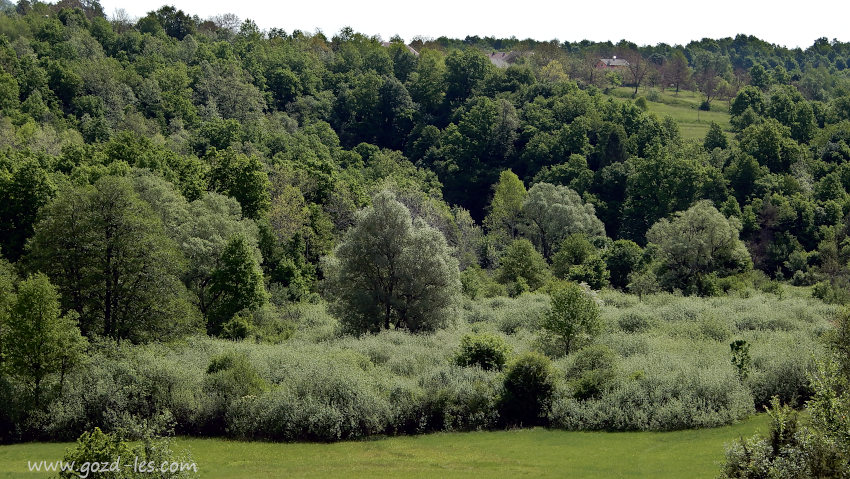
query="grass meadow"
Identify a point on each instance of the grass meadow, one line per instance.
(515, 453)
(684, 108)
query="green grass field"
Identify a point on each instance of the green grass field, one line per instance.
(684, 108)
(518, 453)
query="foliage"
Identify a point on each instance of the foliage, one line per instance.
(39, 342)
(555, 212)
(106, 455)
(392, 272)
(486, 351)
(695, 245)
(741, 358)
(529, 385)
(573, 317)
(110, 258)
(236, 285)
(522, 267)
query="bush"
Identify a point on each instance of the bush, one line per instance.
(459, 400)
(592, 370)
(486, 351)
(106, 455)
(634, 321)
(528, 387)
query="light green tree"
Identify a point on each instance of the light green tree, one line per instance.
(522, 267)
(391, 272)
(555, 212)
(695, 244)
(573, 315)
(39, 340)
(504, 217)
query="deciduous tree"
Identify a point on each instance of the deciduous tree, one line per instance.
(391, 272)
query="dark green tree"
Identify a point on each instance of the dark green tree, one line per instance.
(236, 284)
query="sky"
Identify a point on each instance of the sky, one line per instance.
(782, 22)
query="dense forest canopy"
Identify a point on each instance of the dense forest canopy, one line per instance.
(172, 176)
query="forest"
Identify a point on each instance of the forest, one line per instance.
(207, 229)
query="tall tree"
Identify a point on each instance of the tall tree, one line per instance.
(236, 285)
(555, 212)
(504, 217)
(391, 272)
(241, 177)
(40, 341)
(695, 244)
(677, 71)
(112, 261)
(638, 67)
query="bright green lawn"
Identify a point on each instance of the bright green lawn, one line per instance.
(684, 109)
(520, 453)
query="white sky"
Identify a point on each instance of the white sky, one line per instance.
(645, 22)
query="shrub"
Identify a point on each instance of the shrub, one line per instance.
(634, 321)
(459, 399)
(238, 327)
(106, 456)
(592, 370)
(486, 351)
(528, 387)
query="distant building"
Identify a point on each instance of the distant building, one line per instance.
(503, 59)
(409, 48)
(611, 64)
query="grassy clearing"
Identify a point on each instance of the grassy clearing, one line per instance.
(684, 108)
(527, 452)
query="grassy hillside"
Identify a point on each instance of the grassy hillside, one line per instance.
(528, 452)
(684, 108)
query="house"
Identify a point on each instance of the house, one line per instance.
(503, 59)
(409, 48)
(611, 64)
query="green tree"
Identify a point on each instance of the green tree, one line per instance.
(504, 217)
(622, 258)
(771, 145)
(715, 138)
(697, 244)
(677, 71)
(578, 260)
(22, 193)
(39, 340)
(522, 267)
(465, 70)
(660, 185)
(112, 261)
(555, 212)
(391, 272)
(573, 316)
(236, 284)
(760, 77)
(241, 177)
